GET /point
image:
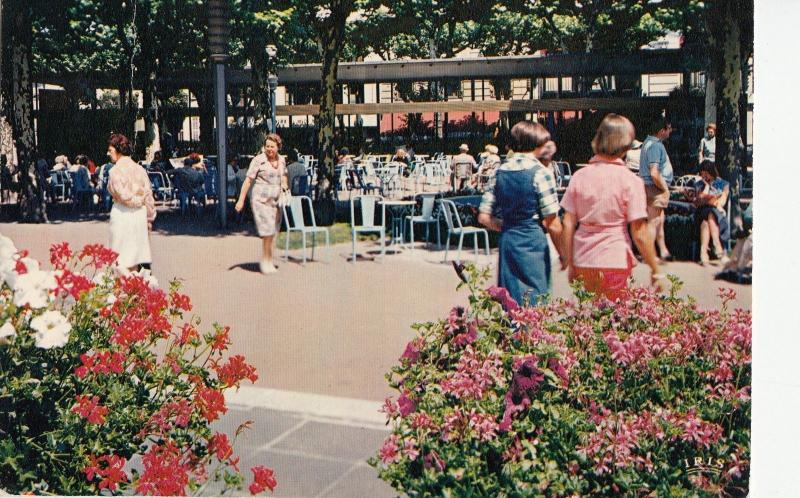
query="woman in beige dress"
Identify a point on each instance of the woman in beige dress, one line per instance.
(267, 176)
(134, 208)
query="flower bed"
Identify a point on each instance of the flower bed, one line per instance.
(106, 385)
(646, 396)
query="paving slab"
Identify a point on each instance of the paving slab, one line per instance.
(322, 336)
(330, 327)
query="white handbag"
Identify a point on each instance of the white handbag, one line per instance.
(284, 198)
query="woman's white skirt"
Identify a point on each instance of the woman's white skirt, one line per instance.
(129, 237)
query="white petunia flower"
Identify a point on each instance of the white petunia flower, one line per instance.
(30, 264)
(8, 274)
(148, 277)
(8, 268)
(52, 330)
(7, 248)
(33, 289)
(101, 277)
(7, 330)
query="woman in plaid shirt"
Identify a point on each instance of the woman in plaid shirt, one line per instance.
(522, 204)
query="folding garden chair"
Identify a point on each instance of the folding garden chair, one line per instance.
(298, 224)
(427, 217)
(367, 204)
(454, 227)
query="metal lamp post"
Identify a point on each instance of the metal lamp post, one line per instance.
(273, 85)
(272, 80)
(218, 33)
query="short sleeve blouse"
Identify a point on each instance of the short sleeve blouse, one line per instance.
(604, 197)
(261, 171)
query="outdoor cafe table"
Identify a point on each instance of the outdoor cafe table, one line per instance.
(397, 209)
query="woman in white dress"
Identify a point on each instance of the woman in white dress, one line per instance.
(134, 208)
(267, 176)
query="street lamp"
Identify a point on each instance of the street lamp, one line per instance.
(272, 79)
(218, 33)
(273, 85)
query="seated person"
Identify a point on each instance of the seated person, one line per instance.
(489, 161)
(463, 166)
(82, 189)
(241, 174)
(233, 167)
(633, 155)
(711, 200)
(196, 162)
(295, 171)
(547, 155)
(344, 156)
(159, 163)
(191, 180)
(740, 268)
(61, 163)
(401, 156)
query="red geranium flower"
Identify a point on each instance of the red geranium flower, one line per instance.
(263, 478)
(100, 255)
(210, 403)
(232, 373)
(164, 472)
(60, 254)
(111, 475)
(220, 446)
(90, 409)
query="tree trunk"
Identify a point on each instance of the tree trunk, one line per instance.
(711, 100)
(127, 124)
(148, 98)
(2, 63)
(726, 63)
(205, 106)
(332, 38)
(261, 95)
(32, 208)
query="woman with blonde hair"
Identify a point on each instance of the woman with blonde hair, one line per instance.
(601, 201)
(267, 176)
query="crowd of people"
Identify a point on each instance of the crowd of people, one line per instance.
(616, 201)
(621, 194)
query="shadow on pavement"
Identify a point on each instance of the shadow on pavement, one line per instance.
(251, 267)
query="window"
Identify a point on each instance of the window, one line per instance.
(520, 89)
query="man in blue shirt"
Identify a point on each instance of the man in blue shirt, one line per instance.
(655, 169)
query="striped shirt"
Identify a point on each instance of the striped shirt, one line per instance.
(543, 182)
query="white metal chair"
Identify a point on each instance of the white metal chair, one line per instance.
(426, 216)
(390, 179)
(367, 204)
(563, 173)
(686, 180)
(454, 227)
(298, 224)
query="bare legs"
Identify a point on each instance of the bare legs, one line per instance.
(267, 243)
(268, 249)
(709, 231)
(655, 223)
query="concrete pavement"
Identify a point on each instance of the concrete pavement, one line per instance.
(322, 336)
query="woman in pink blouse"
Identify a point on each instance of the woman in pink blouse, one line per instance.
(134, 208)
(601, 201)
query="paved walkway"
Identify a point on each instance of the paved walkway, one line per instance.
(330, 328)
(318, 445)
